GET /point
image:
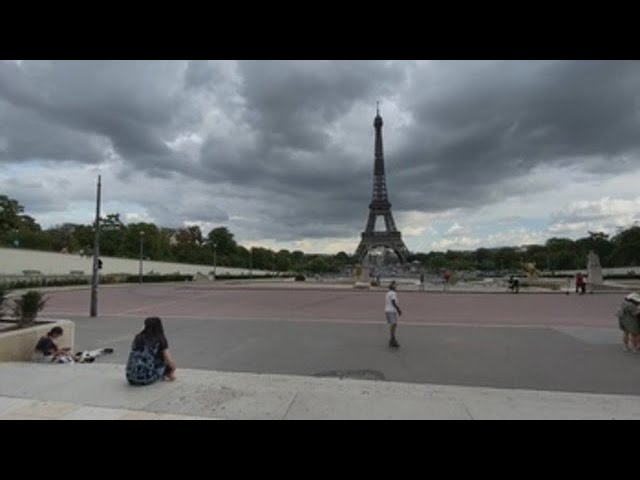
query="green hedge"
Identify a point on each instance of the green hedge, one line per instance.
(614, 276)
(45, 282)
(243, 277)
(113, 279)
(158, 278)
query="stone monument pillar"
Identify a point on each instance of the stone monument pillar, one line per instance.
(594, 270)
(361, 277)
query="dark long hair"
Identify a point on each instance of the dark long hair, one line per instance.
(153, 330)
(55, 331)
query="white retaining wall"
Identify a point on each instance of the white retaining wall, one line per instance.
(14, 260)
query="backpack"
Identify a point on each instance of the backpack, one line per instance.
(142, 366)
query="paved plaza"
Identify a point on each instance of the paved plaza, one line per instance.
(534, 355)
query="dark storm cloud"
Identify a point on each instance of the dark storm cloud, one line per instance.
(174, 216)
(477, 124)
(29, 137)
(292, 103)
(128, 103)
(208, 75)
(37, 198)
(267, 131)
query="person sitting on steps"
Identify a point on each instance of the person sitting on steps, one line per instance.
(149, 359)
(47, 351)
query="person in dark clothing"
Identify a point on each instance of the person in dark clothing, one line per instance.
(514, 284)
(47, 351)
(149, 360)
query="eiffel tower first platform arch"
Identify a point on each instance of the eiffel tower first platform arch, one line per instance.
(380, 206)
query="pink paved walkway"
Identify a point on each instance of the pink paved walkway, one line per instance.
(340, 305)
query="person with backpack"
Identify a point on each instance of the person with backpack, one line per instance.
(149, 359)
(629, 322)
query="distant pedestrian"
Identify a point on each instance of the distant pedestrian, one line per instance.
(581, 285)
(514, 284)
(447, 279)
(422, 282)
(391, 312)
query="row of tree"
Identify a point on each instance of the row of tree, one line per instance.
(189, 245)
(621, 250)
(184, 245)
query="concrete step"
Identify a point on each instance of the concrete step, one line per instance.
(100, 391)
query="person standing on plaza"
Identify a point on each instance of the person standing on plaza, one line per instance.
(392, 312)
(580, 284)
(629, 322)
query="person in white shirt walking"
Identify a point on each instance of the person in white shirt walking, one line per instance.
(391, 312)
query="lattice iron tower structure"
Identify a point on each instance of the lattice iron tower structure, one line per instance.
(380, 207)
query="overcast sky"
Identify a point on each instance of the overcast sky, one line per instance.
(477, 153)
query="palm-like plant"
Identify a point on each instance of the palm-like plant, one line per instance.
(27, 307)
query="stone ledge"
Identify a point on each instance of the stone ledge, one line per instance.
(17, 345)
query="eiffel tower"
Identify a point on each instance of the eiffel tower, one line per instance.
(380, 206)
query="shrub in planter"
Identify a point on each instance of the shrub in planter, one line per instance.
(300, 278)
(27, 307)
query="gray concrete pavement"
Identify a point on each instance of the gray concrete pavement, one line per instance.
(576, 359)
(546, 342)
(99, 391)
(499, 355)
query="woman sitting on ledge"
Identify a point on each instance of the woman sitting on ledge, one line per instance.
(149, 360)
(47, 351)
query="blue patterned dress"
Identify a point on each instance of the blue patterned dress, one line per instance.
(146, 363)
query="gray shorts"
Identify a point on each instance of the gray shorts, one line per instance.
(392, 317)
(628, 324)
